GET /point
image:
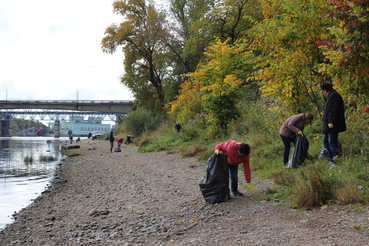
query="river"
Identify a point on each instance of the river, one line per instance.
(22, 182)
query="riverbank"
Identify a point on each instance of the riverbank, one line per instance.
(126, 198)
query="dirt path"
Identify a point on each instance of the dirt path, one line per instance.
(126, 198)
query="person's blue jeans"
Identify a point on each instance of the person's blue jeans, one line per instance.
(233, 174)
(287, 146)
(330, 142)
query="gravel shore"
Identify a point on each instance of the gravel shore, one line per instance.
(127, 198)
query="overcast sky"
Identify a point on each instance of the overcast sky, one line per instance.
(50, 49)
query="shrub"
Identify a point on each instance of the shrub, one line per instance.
(313, 187)
(140, 121)
(28, 159)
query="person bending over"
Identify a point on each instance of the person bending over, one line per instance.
(237, 153)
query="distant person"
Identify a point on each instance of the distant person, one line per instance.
(178, 127)
(129, 139)
(111, 140)
(89, 135)
(71, 138)
(292, 126)
(78, 139)
(333, 120)
(237, 153)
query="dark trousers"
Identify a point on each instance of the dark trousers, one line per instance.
(287, 146)
(330, 142)
(233, 174)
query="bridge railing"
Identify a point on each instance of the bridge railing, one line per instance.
(66, 101)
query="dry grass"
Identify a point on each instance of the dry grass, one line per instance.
(191, 151)
(285, 178)
(350, 194)
(74, 153)
(313, 188)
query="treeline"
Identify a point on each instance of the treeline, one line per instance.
(201, 59)
(19, 125)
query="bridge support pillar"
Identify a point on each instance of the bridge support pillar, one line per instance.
(6, 126)
(57, 129)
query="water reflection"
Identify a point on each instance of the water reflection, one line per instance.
(20, 182)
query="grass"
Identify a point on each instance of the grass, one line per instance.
(74, 153)
(311, 185)
(46, 158)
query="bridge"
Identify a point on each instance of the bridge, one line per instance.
(59, 109)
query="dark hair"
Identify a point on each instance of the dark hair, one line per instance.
(244, 149)
(310, 116)
(326, 87)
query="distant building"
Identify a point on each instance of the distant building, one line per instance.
(81, 127)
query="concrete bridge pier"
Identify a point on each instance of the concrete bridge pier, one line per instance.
(7, 126)
(117, 120)
(57, 128)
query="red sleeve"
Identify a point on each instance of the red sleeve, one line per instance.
(246, 169)
(220, 147)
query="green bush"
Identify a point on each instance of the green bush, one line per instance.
(140, 121)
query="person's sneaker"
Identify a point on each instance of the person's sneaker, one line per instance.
(237, 193)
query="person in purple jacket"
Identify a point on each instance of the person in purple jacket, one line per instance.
(292, 126)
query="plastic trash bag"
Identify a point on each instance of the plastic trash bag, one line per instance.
(215, 185)
(324, 155)
(299, 153)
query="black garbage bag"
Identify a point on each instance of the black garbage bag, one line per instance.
(299, 153)
(324, 155)
(214, 186)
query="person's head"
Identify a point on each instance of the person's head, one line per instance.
(244, 149)
(326, 88)
(111, 133)
(309, 118)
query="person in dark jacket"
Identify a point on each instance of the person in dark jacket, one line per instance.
(292, 126)
(111, 140)
(333, 120)
(178, 127)
(237, 153)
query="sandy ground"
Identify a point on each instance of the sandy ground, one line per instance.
(126, 198)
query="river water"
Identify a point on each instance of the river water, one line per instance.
(21, 182)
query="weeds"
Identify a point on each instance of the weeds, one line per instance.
(74, 153)
(46, 158)
(309, 186)
(28, 160)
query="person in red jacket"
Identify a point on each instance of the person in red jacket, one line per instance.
(237, 153)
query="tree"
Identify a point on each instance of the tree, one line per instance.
(214, 88)
(288, 68)
(141, 35)
(348, 51)
(224, 19)
(354, 17)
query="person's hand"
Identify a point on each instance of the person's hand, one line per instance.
(330, 125)
(300, 133)
(216, 152)
(249, 187)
